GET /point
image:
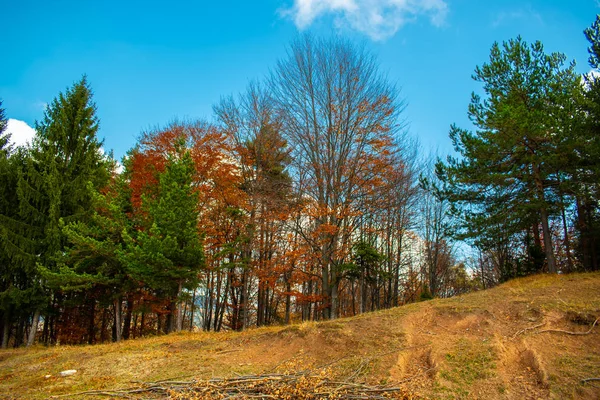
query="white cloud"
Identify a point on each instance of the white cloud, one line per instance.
(594, 74)
(379, 19)
(591, 77)
(21, 133)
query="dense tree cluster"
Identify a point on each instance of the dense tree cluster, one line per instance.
(304, 200)
(524, 186)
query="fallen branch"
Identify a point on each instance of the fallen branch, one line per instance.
(228, 351)
(586, 380)
(528, 329)
(304, 385)
(572, 333)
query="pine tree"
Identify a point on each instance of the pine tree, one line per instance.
(168, 255)
(52, 189)
(92, 262)
(587, 165)
(8, 203)
(507, 173)
(5, 147)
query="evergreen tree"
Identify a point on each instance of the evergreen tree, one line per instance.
(5, 147)
(8, 203)
(587, 165)
(16, 292)
(507, 174)
(64, 159)
(168, 255)
(92, 265)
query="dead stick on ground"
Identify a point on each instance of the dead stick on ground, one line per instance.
(589, 380)
(572, 333)
(228, 351)
(528, 329)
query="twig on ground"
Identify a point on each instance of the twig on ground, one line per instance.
(528, 329)
(586, 380)
(256, 386)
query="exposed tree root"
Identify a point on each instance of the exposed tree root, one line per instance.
(572, 333)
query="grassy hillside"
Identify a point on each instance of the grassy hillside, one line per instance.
(511, 342)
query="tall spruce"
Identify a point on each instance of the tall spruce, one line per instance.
(17, 294)
(8, 203)
(64, 159)
(92, 267)
(168, 254)
(507, 173)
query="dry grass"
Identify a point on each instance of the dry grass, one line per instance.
(487, 345)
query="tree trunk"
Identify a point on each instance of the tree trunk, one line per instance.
(103, 325)
(192, 310)
(333, 313)
(6, 330)
(171, 317)
(548, 249)
(567, 242)
(92, 322)
(128, 314)
(34, 326)
(363, 291)
(326, 290)
(288, 302)
(179, 308)
(548, 242)
(118, 319)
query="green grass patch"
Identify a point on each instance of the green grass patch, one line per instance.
(469, 362)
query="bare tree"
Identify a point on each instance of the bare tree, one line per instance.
(338, 114)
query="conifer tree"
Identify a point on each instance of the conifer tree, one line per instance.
(7, 204)
(587, 165)
(168, 255)
(16, 292)
(507, 174)
(65, 157)
(92, 260)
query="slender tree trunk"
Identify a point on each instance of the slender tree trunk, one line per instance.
(45, 329)
(363, 291)
(243, 301)
(6, 330)
(171, 316)
(548, 249)
(128, 314)
(548, 242)
(567, 242)
(118, 319)
(142, 324)
(92, 322)
(221, 314)
(326, 293)
(288, 301)
(103, 325)
(333, 314)
(134, 327)
(34, 327)
(192, 310)
(209, 302)
(20, 333)
(179, 308)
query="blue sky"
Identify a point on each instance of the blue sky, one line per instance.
(151, 62)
